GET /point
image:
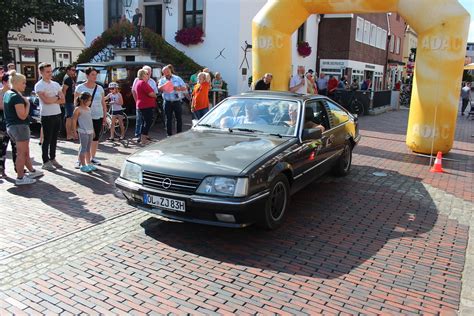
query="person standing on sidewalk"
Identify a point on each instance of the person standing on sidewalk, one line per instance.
(98, 109)
(139, 121)
(173, 88)
(4, 138)
(322, 83)
(146, 102)
(200, 101)
(50, 97)
(69, 85)
(465, 96)
(85, 132)
(16, 111)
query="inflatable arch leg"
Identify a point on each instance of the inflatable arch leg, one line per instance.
(442, 27)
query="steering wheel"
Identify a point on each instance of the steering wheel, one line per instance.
(280, 123)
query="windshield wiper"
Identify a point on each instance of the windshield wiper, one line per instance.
(276, 134)
(245, 130)
(206, 125)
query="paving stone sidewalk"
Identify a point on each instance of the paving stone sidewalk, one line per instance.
(400, 244)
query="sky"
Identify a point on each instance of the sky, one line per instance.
(469, 6)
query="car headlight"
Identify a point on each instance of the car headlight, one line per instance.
(131, 172)
(225, 186)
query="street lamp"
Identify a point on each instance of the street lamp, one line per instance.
(168, 8)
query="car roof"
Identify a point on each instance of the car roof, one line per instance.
(122, 63)
(281, 94)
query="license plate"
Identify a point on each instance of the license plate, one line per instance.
(164, 203)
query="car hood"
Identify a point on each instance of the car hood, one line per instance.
(196, 154)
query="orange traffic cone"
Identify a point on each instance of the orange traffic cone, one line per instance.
(437, 165)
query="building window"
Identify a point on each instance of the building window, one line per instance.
(373, 35)
(379, 37)
(193, 13)
(63, 59)
(42, 27)
(115, 9)
(302, 33)
(384, 39)
(397, 46)
(360, 29)
(391, 45)
(366, 32)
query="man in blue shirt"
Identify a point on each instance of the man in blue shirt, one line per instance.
(173, 89)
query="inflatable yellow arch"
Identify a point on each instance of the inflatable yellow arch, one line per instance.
(442, 27)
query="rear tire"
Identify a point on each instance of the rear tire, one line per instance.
(277, 203)
(343, 164)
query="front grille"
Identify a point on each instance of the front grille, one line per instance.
(178, 184)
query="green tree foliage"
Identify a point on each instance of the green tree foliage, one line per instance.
(18, 13)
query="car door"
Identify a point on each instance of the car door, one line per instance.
(335, 137)
(311, 152)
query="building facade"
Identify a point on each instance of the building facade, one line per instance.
(395, 63)
(410, 42)
(353, 45)
(469, 53)
(58, 44)
(227, 25)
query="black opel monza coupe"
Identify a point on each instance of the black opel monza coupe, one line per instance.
(242, 161)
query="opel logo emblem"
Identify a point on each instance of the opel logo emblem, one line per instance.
(166, 184)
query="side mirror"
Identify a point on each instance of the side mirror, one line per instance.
(312, 133)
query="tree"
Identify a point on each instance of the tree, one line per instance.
(18, 13)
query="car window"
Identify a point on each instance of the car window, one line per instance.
(320, 115)
(258, 114)
(101, 75)
(119, 74)
(337, 115)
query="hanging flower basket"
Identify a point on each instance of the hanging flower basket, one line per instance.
(190, 36)
(304, 49)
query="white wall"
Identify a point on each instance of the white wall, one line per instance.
(312, 39)
(221, 32)
(95, 18)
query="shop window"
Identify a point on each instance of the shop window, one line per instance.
(193, 13)
(42, 27)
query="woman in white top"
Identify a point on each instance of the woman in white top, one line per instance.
(98, 108)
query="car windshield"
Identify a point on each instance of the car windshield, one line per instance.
(101, 75)
(254, 115)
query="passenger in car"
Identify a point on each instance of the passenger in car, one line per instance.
(250, 117)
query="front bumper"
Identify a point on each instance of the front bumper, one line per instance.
(200, 209)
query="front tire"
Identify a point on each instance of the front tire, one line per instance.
(343, 164)
(277, 203)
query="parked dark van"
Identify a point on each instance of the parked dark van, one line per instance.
(121, 72)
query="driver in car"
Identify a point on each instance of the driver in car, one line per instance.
(293, 113)
(250, 117)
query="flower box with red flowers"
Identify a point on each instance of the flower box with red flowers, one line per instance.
(304, 49)
(190, 36)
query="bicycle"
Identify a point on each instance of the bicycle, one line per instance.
(354, 105)
(105, 132)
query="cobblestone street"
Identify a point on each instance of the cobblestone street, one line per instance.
(399, 241)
